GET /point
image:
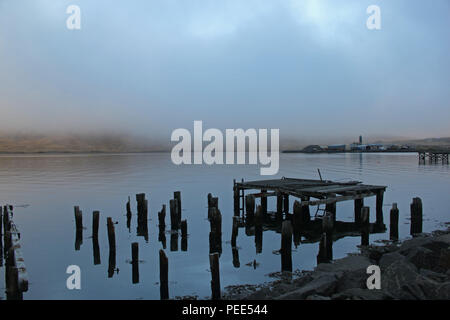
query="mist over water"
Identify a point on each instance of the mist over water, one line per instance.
(44, 189)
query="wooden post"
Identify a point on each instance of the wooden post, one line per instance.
(162, 216)
(365, 226)
(135, 262)
(393, 228)
(184, 235)
(235, 231)
(416, 216)
(297, 217)
(163, 275)
(322, 255)
(286, 204)
(215, 235)
(331, 207)
(95, 223)
(215, 276)
(250, 206)
(177, 197)
(96, 250)
(258, 229)
(174, 223)
(235, 254)
(78, 218)
(359, 203)
(286, 246)
(279, 207)
(111, 234)
(236, 199)
(327, 228)
(111, 263)
(174, 240)
(379, 208)
(128, 207)
(264, 203)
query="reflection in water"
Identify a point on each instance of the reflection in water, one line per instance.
(78, 239)
(162, 235)
(112, 263)
(174, 240)
(235, 253)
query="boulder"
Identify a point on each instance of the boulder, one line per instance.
(323, 285)
(389, 258)
(362, 294)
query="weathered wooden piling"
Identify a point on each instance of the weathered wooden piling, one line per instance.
(235, 254)
(259, 219)
(111, 263)
(96, 250)
(111, 234)
(393, 228)
(234, 231)
(128, 206)
(279, 215)
(365, 226)
(331, 208)
(215, 235)
(174, 223)
(177, 198)
(286, 246)
(95, 223)
(379, 207)
(215, 276)
(163, 275)
(78, 218)
(264, 202)
(162, 216)
(236, 200)
(359, 204)
(250, 206)
(416, 216)
(174, 240)
(286, 204)
(135, 262)
(322, 255)
(184, 235)
(327, 228)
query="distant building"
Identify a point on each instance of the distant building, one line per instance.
(336, 147)
(313, 148)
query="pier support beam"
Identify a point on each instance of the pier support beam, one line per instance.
(359, 203)
(279, 207)
(379, 208)
(393, 228)
(264, 203)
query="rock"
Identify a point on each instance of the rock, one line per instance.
(444, 260)
(414, 243)
(317, 297)
(323, 285)
(389, 258)
(347, 264)
(261, 294)
(444, 238)
(423, 258)
(362, 294)
(398, 275)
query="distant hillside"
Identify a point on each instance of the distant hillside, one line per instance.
(434, 143)
(74, 143)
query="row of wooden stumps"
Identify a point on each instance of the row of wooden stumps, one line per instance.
(16, 277)
(325, 254)
(142, 230)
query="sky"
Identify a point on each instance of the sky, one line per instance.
(310, 68)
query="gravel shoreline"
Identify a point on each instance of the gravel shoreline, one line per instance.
(415, 269)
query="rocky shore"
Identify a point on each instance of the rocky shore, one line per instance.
(416, 269)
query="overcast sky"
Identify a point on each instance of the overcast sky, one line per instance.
(308, 67)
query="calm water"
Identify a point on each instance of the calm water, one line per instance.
(44, 189)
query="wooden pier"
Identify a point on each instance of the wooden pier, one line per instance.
(434, 156)
(309, 193)
(16, 277)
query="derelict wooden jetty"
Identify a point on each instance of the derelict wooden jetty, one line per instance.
(434, 156)
(308, 193)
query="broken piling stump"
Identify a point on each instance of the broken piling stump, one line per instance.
(215, 276)
(416, 216)
(365, 226)
(393, 228)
